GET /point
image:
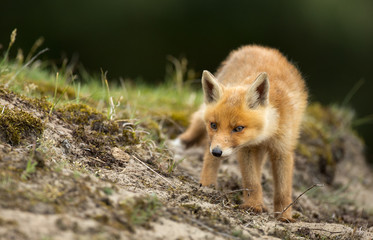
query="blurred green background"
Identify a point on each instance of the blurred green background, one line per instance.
(330, 41)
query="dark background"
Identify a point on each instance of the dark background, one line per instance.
(330, 41)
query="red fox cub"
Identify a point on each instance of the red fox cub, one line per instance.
(252, 110)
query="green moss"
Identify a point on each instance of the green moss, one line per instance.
(128, 137)
(181, 117)
(16, 125)
(79, 114)
(141, 210)
(40, 104)
(104, 126)
(194, 208)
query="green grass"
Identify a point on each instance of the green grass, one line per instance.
(134, 99)
(30, 168)
(156, 107)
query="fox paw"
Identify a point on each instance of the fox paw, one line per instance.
(286, 220)
(256, 208)
(284, 217)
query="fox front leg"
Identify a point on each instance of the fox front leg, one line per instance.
(210, 169)
(251, 169)
(283, 180)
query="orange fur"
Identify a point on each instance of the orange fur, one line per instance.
(253, 109)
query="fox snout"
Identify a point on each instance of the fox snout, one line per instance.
(217, 152)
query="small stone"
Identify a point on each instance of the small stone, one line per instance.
(121, 155)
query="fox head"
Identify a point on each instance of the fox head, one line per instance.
(236, 116)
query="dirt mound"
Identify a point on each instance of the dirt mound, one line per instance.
(83, 176)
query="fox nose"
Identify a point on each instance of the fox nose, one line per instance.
(217, 152)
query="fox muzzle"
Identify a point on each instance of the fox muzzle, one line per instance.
(217, 152)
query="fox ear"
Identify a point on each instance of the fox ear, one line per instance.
(258, 92)
(211, 88)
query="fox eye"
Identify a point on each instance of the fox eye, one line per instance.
(213, 125)
(238, 129)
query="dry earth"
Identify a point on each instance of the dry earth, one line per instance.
(88, 185)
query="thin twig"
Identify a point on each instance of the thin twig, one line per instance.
(153, 171)
(96, 159)
(3, 110)
(324, 230)
(291, 204)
